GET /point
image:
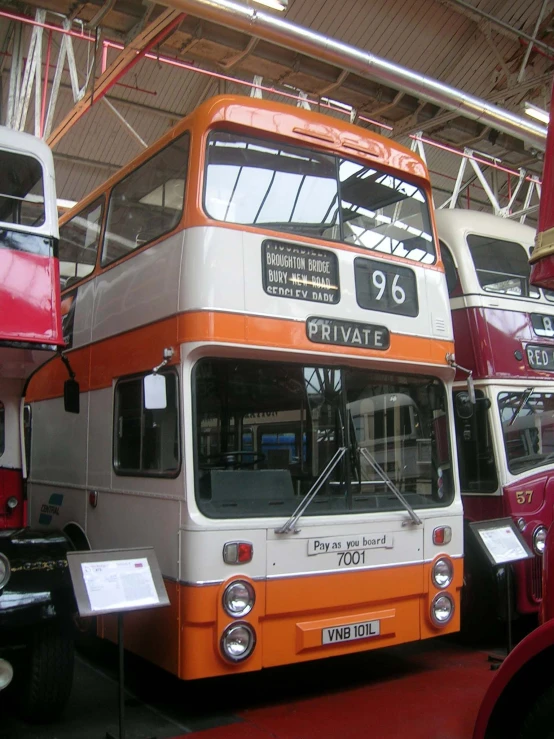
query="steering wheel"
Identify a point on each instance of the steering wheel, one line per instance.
(233, 460)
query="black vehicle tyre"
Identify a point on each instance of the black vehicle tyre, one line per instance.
(539, 722)
(46, 677)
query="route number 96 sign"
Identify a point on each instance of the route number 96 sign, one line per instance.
(385, 287)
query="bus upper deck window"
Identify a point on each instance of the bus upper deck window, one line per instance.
(291, 188)
(21, 190)
(452, 276)
(501, 266)
(79, 239)
(384, 213)
(280, 186)
(148, 203)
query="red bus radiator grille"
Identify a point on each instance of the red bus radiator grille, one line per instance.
(535, 572)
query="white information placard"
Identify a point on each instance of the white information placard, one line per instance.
(116, 580)
(501, 540)
(503, 545)
(119, 584)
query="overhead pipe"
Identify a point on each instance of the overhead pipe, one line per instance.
(323, 48)
(159, 59)
(492, 163)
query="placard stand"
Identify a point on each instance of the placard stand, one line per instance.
(503, 544)
(116, 581)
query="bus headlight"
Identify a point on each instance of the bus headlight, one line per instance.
(5, 570)
(442, 573)
(539, 539)
(238, 642)
(442, 609)
(238, 598)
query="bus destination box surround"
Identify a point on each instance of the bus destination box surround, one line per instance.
(301, 272)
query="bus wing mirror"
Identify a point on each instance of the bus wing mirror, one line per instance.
(155, 395)
(464, 406)
(71, 395)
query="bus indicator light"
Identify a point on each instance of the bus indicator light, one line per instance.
(442, 535)
(237, 552)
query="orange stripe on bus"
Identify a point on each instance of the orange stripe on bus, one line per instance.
(288, 617)
(280, 333)
(96, 366)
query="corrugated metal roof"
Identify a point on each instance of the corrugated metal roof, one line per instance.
(439, 38)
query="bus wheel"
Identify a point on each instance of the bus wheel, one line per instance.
(540, 719)
(46, 677)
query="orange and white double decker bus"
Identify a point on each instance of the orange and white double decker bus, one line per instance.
(294, 468)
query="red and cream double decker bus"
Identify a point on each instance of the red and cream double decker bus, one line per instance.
(504, 335)
(36, 597)
(279, 271)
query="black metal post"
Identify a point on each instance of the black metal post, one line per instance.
(509, 606)
(496, 660)
(121, 652)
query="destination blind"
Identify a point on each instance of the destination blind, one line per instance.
(300, 272)
(540, 357)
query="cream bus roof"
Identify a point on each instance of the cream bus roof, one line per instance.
(455, 221)
(21, 143)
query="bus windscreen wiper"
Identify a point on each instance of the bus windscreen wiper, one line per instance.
(287, 527)
(389, 483)
(524, 398)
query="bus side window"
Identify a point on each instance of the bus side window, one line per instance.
(452, 276)
(475, 450)
(501, 266)
(148, 203)
(79, 239)
(146, 442)
(21, 190)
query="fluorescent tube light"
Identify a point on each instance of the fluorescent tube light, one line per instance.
(275, 4)
(538, 113)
